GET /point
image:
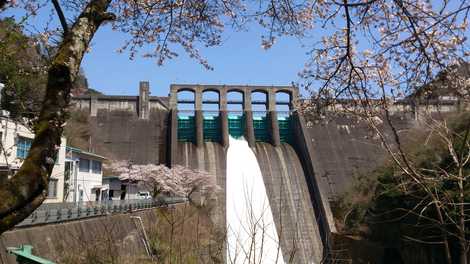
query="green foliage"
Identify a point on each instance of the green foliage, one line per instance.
(389, 207)
(350, 208)
(402, 212)
(22, 70)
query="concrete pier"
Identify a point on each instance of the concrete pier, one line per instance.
(273, 128)
(248, 113)
(223, 118)
(144, 106)
(223, 115)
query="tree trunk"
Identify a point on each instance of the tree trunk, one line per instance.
(26, 190)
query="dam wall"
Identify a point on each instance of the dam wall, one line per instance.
(127, 127)
(120, 134)
(210, 157)
(345, 148)
(290, 202)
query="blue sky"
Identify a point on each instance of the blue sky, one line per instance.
(240, 60)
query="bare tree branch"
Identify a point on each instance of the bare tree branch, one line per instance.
(61, 16)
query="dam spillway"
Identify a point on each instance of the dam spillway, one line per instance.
(275, 151)
(286, 189)
(252, 236)
(291, 203)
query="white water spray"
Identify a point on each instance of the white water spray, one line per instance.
(251, 232)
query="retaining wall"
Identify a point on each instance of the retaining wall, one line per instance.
(58, 242)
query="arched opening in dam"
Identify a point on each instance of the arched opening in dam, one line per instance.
(284, 107)
(211, 115)
(186, 105)
(283, 103)
(186, 115)
(210, 102)
(259, 100)
(235, 102)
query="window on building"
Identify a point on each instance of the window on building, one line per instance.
(84, 165)
(22, 147)
(52, 189)
(96, 166)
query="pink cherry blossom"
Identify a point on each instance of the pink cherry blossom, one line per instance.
(177, 181)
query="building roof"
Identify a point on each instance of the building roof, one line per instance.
(83, 152)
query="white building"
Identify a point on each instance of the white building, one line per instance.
(16, 139)
(83, 176)
(116, 189)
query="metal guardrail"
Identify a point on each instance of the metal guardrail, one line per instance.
(61, 212)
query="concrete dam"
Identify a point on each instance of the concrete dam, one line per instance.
(305, 163)
(191, 129)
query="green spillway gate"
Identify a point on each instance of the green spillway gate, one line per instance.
(24, 255)
(285, 129)
(236, 125)
(260, 127)
(186, 129)
(212, 128)
(236, 128)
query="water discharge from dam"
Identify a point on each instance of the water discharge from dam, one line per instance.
(251, 231)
